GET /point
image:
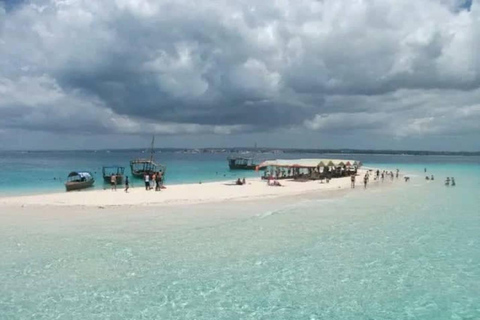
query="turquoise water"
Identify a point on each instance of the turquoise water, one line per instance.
(35, 172)
(404, 251)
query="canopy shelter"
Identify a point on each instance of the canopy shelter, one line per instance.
(309, 163)
(79, 176)
(296, 163)
(109, 170)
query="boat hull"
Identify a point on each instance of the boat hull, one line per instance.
(241, 167)
(71, 186)
(141, 174)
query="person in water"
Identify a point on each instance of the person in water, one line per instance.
(127, 184)
(447, 181)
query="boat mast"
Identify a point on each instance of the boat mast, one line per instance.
(151, 148)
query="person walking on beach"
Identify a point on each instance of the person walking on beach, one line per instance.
(113, 182)
(383, 176)
(158, 182)
(365, 181)
(396, 175)
(147, 181)
(352, 179)
(127, 184)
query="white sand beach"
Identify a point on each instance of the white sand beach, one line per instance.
(184, 194)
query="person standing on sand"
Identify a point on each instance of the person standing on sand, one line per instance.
(158, 182)
(147, 181)
(365, 181)
(352, 179)
(113, 182)
(127, 184)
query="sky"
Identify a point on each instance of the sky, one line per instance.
(364, 74)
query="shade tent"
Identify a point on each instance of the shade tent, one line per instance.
(308, 163)
(296, 163)
(86, 175)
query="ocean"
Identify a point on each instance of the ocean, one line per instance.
(409, 250)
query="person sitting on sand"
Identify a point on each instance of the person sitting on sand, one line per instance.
(427, 178)
(239, 182)
(277, 184)
(407, 179)
(243, 181)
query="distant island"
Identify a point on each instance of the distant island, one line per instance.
(246, 151)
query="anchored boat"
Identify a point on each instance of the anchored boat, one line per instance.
(117, 171)
(78, 180)
(241, 163)
(141, 167)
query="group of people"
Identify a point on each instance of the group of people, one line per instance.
(450, 181)
(113, 182)
(240, 182)
(153, 180)
(271, 181)
(366, 177)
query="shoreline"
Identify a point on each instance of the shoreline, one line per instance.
(186, 194)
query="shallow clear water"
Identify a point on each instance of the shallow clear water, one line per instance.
(407, 251)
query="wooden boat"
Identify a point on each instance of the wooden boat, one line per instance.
(118, 171)
(141, 167)
(78, 180)
(241, 163)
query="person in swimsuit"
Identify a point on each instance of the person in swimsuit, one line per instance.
(113, 182)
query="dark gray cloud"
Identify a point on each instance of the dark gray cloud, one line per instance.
(399, 69)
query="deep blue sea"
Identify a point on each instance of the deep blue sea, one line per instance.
(398, 251)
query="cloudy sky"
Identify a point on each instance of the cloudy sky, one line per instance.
(398, 74)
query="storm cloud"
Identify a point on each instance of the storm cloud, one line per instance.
(398, 68)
